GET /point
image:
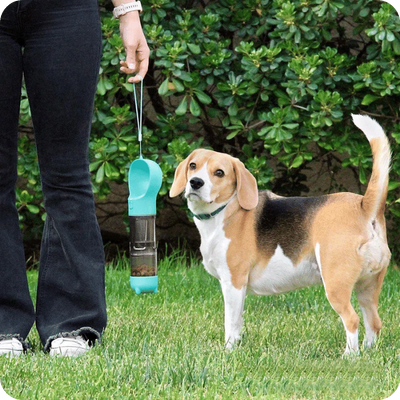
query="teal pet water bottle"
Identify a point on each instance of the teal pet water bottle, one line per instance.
(145, 178)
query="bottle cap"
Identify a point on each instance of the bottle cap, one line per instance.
(145, 178)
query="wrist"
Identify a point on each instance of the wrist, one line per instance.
(130, 17)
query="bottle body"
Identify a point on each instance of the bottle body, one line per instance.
(143, 253)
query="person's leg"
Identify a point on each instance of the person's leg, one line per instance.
(61, 65)
(16, 308)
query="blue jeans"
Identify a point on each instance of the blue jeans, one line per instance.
(56, 46)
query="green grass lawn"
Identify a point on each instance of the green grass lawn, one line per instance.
(170, 346)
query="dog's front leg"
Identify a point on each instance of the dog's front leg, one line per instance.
(234, 304)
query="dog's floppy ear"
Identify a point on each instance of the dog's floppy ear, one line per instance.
(179, 183)
(246, 186)
(180, 178)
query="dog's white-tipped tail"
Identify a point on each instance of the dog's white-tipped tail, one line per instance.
(375, 196)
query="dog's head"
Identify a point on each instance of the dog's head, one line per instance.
(210, 179)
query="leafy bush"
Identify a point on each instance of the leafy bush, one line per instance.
(272, 82)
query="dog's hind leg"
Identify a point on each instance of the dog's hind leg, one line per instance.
(339, 283)
(234, 305)
(368, 291)
(339, 298)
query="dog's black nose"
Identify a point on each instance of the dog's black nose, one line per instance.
(196, 183)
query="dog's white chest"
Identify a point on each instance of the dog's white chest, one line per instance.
(280, 275)
(214, 247)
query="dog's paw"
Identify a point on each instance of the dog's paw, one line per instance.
(231, 344)
(351, 354)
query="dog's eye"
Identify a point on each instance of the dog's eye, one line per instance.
(192, 165)
(219, 173)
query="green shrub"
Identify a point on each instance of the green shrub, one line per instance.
(263, 80)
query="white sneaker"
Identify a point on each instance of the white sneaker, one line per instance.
(11, 347)
(69, 346)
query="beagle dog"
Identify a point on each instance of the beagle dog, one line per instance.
(260, 243)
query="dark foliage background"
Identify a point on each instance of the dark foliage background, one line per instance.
(272, 82)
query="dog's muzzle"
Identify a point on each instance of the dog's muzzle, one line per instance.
(196, 183)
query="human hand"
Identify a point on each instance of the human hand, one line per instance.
(136, 48)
